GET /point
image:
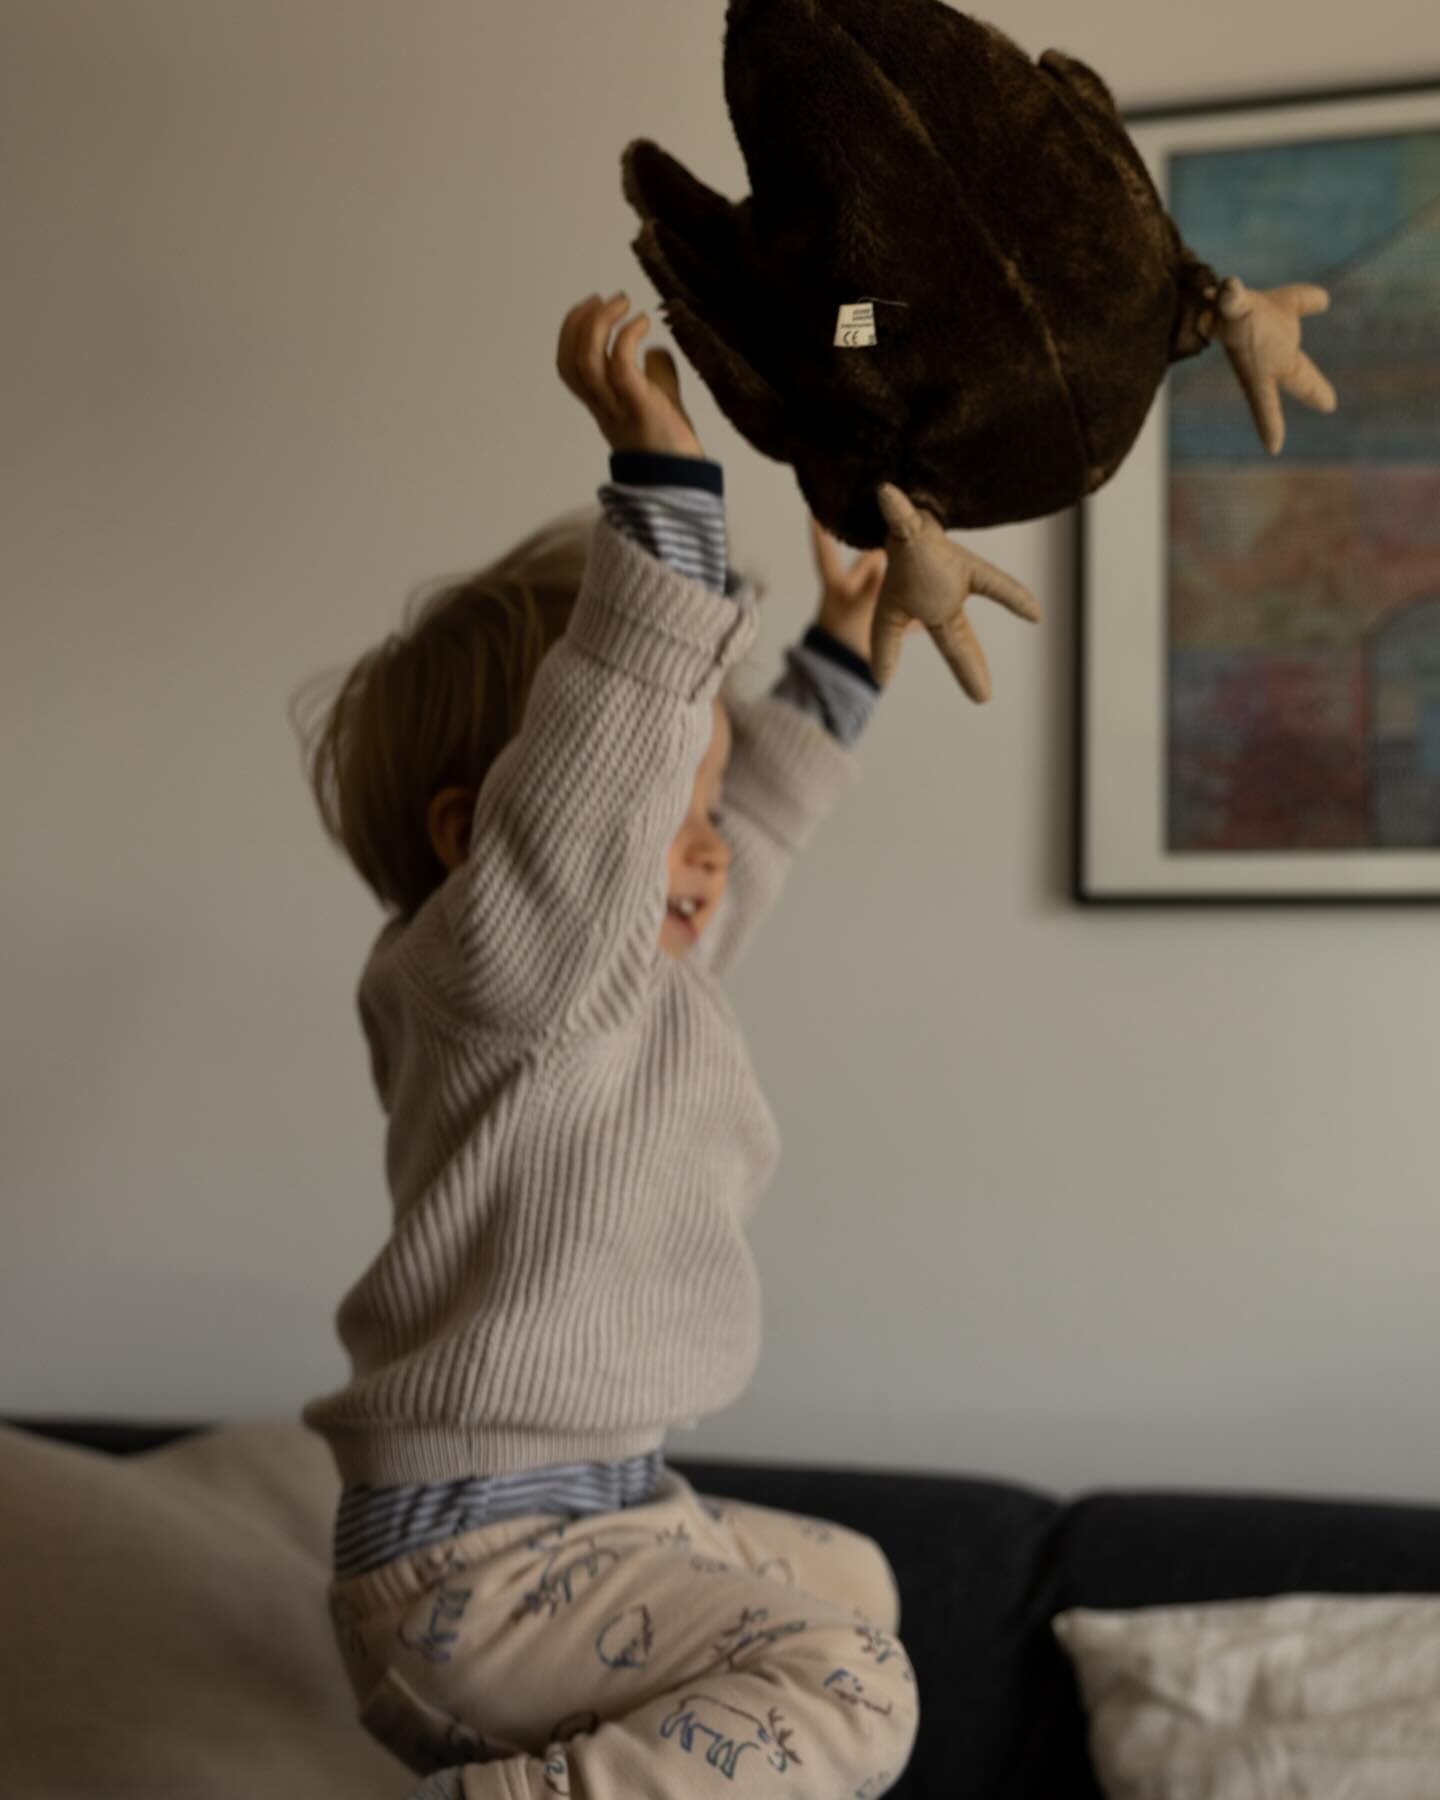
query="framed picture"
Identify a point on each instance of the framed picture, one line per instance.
(1258, 707)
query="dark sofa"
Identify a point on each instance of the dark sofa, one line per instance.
(984, 1566)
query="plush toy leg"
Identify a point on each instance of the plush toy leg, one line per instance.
(930, 578)
(1260, 330)
(692, 248)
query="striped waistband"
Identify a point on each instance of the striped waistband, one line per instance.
(374, 1525)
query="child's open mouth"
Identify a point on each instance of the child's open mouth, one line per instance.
(686, 914)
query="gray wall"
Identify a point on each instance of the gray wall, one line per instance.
(1069, 1197)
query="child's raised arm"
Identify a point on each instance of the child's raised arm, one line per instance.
(552, 922)
(790, 763)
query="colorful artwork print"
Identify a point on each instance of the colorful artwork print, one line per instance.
(1303, 648)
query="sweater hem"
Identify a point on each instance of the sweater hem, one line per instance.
(393, 1456)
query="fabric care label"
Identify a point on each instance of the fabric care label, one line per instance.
(856, 328)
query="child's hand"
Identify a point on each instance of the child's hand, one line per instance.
(849, 596)
(634, 411)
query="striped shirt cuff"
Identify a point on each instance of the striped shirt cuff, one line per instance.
(820, 680)
(674, 507)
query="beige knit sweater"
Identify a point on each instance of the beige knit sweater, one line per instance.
(575, 1133)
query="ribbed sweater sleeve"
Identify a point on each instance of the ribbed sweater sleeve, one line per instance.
(552, 923)
(781, 782)
(786, 775)
(674, 506)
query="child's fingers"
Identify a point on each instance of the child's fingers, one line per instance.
(569, 357)
(871, 569)
(583, 365)
(594, 354)
(626, 379)
(863, 578)
(569, 337)
(827, 556)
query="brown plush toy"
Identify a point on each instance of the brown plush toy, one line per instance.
(951, 295)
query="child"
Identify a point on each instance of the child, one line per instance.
(577, 838)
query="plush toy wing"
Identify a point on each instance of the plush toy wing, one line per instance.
(1029, 289)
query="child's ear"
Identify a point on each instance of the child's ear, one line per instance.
(448, 820)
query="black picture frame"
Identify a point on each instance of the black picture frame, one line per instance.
(1123, 724)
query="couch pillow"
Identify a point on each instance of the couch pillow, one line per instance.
(1306, 1696)
(164, 1629)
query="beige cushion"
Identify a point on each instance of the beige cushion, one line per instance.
(1302, 1696)
(163, 1630)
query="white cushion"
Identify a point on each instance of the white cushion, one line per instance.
(1306, 1695)
(164, 1631)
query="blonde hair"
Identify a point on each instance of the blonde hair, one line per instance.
(435, 703)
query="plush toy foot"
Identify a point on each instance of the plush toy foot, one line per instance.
(1260, 330)
(930, 578)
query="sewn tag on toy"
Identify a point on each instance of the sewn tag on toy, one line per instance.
(856, 327)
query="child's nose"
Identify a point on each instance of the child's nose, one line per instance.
(708, 847)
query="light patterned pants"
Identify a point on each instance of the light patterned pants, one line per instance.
(683, 1647)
